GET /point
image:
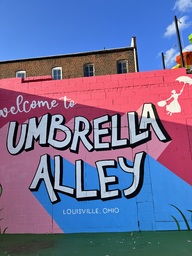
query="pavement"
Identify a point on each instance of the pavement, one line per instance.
(174, 243)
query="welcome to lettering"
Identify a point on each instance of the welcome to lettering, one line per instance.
(24, 106)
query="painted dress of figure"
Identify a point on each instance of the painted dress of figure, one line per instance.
(173, 106)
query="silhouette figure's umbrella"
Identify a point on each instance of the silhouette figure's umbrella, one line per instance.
(184, 79)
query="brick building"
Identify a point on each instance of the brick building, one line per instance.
(95, 63)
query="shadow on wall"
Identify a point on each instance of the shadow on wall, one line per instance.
(2, 231)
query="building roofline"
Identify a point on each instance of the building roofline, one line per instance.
(72, 54)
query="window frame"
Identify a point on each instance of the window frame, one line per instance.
(88, 73)
(56, 77)
(20, 74)
(123, 70)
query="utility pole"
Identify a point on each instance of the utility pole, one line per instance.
(163, 60)
(179, 42)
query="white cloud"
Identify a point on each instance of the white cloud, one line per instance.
(183, 5)
(170, 57)
(183, 23)
(170, 30)
(188, 48)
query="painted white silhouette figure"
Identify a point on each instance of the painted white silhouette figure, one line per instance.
(174, 106)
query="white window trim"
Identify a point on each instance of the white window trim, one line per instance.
(123, 61)
(21, 72)
(89, 64)
(56, 68)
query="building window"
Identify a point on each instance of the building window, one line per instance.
(89, 70)
(57, 73)
(122, 66)
(21, 74)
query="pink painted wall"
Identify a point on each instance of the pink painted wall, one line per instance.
(139, 195)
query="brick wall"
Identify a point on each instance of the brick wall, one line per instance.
(72, 65)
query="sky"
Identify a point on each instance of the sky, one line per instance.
(36, 28)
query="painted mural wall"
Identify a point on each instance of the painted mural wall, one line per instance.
(98, 154)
